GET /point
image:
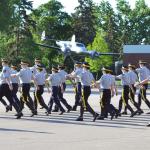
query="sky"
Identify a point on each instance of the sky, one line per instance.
(71, 4)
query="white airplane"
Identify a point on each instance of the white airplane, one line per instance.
(69, 48)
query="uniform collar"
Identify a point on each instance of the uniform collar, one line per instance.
(5, 65)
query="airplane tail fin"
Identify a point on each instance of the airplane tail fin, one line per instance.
(73, 40)
(43, 36)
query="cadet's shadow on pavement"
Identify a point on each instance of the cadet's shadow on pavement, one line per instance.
(102, 123)
(122, 122)
(19, 130)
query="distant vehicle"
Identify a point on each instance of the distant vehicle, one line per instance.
(71, 48)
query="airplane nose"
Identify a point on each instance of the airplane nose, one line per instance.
(95, 54)
(67, 50)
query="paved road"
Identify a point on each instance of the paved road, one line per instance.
(57, 132)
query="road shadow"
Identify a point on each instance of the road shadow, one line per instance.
(86, 122)
(137, 122)
(21, 130)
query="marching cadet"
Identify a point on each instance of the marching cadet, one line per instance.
(125, 80)
(132, 89)
(62, 87)
(55, 81)
(86, 78)
(78, 70)
(37, 62)
(110, 72)
(107, 86)
(115, 91)
(39, 80)
(143, 73)
(25, 75)
(141, 83)
(15, 84)
(6, 87)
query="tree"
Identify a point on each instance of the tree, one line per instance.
(140, 19)
(6, 11)
(20, 30)
(50, 18)
(18, 38)
(125, 25)
(84, 21)
(99, 44)
(108, 21)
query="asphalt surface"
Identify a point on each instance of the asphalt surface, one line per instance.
(57, 132)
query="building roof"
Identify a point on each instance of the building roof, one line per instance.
(136, 49)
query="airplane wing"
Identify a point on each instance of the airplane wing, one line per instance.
(94, 54)
(110, 54)
(48, 46)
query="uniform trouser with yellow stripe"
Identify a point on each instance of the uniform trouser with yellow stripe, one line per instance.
(132, 91)
(14, 93)
(38, 97)
(5, 91)
(62, 99)
(142, 95)
(106, 107)
(14, 96)
(124, 99)
(84, 101)
(26, 98)
(78, 94)
(54, 99)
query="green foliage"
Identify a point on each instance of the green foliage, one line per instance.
(19, 30)
(50, 18)
(108, 21)
(84, 21)
(6, 12)
(16, 41)
(125, 25)
(99, 45)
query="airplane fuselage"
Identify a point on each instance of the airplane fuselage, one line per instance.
(73, 47)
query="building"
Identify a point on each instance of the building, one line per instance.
(134, 53)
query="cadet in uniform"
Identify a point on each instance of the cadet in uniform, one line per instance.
(55, 81)
(115, 91)
(125, 79)
(86, 78)
(37, 62)
(107, 86)
(110, 72)
(15, 83)
(141, 83)
(6, 87)
(62, 87)
(25, 75)
(143, 73)
(132, 89)
(78, 93)
(39, 79)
